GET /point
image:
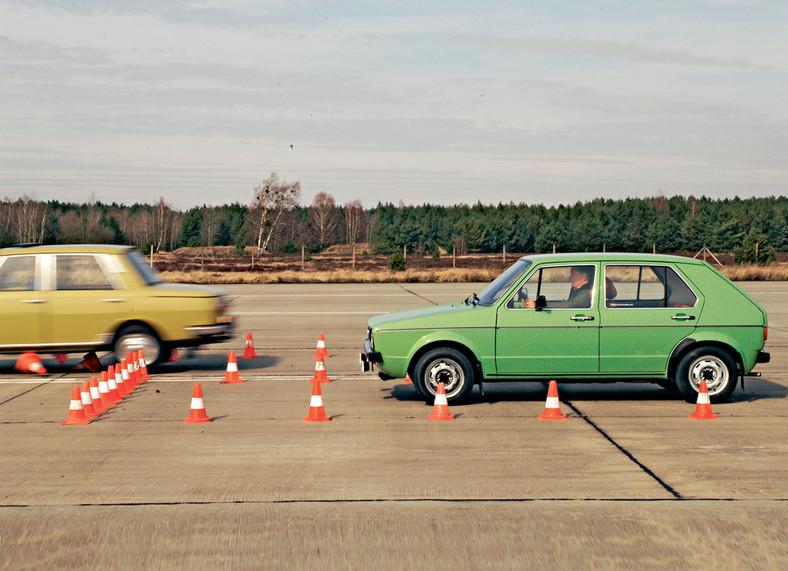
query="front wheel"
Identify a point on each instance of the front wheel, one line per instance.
(710, 364)
(132, 338)
(444, 365)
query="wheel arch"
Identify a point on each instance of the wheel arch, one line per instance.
(132, 323)
(462, 348)
(691, 344)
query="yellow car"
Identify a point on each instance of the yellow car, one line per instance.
(62, 299)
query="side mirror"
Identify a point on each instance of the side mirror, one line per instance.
(541, 302)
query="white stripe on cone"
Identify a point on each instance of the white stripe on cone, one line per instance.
(552, 402)
(232, 367)
(316, 401)
(320, 366)
(86, 399)
(111, 383)
(197, 403)
(440, 399)
(703, 398)
(75, 405)
(95, 394)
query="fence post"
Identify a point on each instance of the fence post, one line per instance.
(354, 257)
(303, 256)
(151, 255)
(454, 256)
(504, 254)
(405, 252)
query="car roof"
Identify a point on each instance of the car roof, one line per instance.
(65, 249)
(589, 257)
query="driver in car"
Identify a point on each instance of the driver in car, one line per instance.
(582, 278)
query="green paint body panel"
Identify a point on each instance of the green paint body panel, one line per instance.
(605, 341)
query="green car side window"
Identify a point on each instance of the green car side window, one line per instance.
(636, 286)
(562, 286)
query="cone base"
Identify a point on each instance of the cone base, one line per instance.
(188, 420)
(319, 356)
(552, 416)
(704, 416)
(440, 416)
(68, 422)
(252, 356)
(320, 381)
(231, 382)
(317, 419)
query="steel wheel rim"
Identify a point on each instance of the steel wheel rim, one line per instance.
(712, 370)
(134, 342)
(448, 372)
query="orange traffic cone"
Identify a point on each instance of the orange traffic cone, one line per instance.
(703, 406)
(197, 409)
(87, 401)
(61, 358)
(90, 362)
(231, 376)
(76, 414)
(317, 412)
(320, 375)
(95, 395)
(143, 366)
(320, 352)
(249, 349)
(112, 386)
(440, 410)
(106, 396)
(30, 363)
(174, 356)
(408, 380)
(121, 379)
(131, 367)
(552, 407)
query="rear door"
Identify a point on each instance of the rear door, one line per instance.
(647, 310)
(21, 303)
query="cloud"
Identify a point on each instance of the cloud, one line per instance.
(584, 47)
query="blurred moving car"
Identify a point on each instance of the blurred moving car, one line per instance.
(592, 317)
(62, 299)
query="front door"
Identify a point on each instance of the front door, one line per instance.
(561, 338)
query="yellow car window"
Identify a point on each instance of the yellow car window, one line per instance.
(79, 273)
(17, 273)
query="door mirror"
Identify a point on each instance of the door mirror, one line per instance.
(541, 302)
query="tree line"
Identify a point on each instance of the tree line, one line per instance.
(275, 221)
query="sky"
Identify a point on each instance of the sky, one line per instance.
(549, 102)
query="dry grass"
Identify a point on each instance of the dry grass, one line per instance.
(336, 276)
(773, 272)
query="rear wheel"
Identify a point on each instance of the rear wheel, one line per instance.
(444, 365)
(710, 364)
(131, 338)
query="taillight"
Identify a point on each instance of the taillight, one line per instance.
(765, 334)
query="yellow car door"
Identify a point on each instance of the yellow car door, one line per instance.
(21, 303)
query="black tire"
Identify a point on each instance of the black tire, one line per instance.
(710, 364)
(447, 365)
(134, 337)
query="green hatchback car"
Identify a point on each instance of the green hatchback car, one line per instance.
(580, 317)
(64, 299)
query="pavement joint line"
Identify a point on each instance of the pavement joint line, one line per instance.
(626, 453)
(39, 385)
(417, 295)
(399, 501)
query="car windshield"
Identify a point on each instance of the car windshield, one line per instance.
(149, 274)
(499, 285)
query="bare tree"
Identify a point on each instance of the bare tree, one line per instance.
(355, 220)
(271, 199)
(324, 218)
(30, 220)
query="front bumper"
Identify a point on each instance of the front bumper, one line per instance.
(369, 357)
(210, 333)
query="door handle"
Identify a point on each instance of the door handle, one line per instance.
(113, 300)
(34, 300)
(582, 318)
(682, 317)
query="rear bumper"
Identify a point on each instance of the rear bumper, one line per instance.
(763, 357)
